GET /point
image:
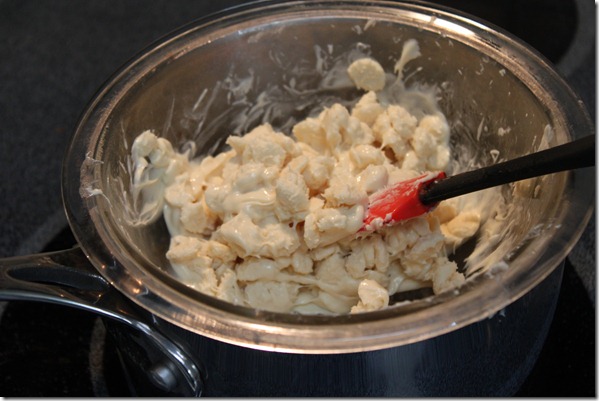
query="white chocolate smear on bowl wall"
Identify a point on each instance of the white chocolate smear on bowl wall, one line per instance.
(271, 222)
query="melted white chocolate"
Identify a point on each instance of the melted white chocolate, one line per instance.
(272, 222)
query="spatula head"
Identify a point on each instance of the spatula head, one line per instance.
(399, 202)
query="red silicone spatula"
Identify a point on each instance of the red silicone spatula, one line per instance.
(412, 198)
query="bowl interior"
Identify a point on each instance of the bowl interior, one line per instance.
(280, 65)
(282, 72)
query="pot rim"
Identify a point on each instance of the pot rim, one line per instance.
(397, 325)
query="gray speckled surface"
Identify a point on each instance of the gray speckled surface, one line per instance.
(579, 67)
(54, 56)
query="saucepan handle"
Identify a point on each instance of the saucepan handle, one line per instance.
(68, 278)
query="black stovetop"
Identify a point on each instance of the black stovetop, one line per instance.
(56, 54)
(82, 361)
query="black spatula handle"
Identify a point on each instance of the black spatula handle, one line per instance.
(575, 154)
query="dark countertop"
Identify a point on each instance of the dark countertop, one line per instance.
(54, 55)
